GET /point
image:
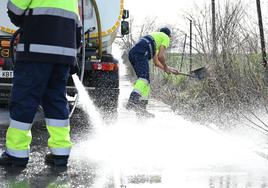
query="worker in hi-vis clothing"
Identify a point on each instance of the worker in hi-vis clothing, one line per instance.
(152, 46)
(51, 34)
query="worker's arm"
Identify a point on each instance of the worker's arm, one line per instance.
(160, 60)
(157, 63)
(16, 10)
(79, 33)
(75, 67)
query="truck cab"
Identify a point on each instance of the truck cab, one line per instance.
(6, 67)
(101, 72)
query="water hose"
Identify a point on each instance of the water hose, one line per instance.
(97, 13)
(11, 47)
(95, 6)
(83, 58)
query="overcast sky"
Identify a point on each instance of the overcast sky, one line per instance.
(172, 11)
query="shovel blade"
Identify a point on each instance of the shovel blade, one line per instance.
(199, 73)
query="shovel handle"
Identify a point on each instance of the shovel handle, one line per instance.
(180, 73)
(176, 72)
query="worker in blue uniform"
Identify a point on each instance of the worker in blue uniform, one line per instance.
(152, 46)
(51, 34)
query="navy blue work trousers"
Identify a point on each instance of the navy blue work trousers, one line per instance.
(37, 84)
(139, 57)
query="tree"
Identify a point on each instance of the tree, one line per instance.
(214, 41)
(262, 38)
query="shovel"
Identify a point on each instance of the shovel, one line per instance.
(198, 74)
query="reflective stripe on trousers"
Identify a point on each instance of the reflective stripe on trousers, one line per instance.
(142, 87)
(59, 142)
(18, 139)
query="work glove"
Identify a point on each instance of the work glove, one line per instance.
(17, 20)
(74, 69)
(78, 37)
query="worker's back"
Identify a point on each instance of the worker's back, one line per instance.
(160, 38)
(48, 29)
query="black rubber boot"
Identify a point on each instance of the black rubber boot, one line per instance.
(8, 160)
(143, 104)
(56, 160)
(133, 101)
(142, 112)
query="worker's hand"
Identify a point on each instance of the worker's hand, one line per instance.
(74, 69)
(167, 70)
(174, 71)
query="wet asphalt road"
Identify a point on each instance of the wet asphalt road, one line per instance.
(192, 170)
(37, 174)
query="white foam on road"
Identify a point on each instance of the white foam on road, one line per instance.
(167, 146)
(163, 142)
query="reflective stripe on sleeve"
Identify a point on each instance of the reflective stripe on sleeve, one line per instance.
(13, 8)
(20, 125)
(60, 151)
(18, 153)
(57, 122)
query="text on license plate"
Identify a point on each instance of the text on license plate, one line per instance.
(6, 74)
